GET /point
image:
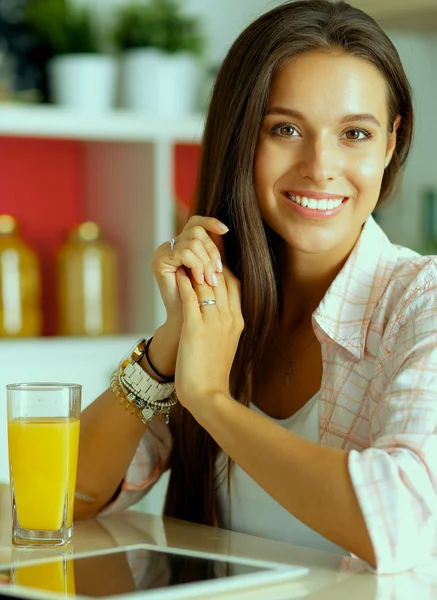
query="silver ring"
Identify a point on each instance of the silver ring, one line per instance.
(172, 242)
(207, 303)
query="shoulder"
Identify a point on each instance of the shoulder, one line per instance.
(392, 270)
(413, 275)
(410, 297)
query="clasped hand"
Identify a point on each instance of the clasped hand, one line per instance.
(203, 341)
(209, 338)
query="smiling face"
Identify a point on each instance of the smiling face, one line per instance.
(312, 140)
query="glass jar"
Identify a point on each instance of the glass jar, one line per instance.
(20, 283)
(87, 283)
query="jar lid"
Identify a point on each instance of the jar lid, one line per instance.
(86, 232)
(8, 225)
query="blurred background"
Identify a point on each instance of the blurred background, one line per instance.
(101, 113)
(102, 106)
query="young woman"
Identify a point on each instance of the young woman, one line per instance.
(308, 394)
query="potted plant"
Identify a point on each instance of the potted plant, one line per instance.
(161, 47)
(80, 75)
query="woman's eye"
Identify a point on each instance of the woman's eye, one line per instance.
(353, 135)
(283, 130)
(367, 135)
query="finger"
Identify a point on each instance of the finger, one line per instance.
(221, 294)
(190, 302)
(209, 223)
(234, 292)
(198, 248)
(185, 253)
(219, 243)
(215, 228)
(213, 248)
(203, 293)
(185, 257)
(205, 248)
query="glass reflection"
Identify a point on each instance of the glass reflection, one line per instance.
(113, 573)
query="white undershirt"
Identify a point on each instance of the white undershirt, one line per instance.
(253, 510)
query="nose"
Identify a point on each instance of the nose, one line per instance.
(320, 160)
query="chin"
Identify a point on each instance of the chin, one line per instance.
(316, 241)
(315, 248)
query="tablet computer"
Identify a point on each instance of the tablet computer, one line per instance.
(143, 570)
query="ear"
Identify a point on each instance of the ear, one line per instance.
(391, 144)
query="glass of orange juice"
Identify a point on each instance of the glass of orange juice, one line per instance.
(43, 440)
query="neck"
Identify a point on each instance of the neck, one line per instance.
(305, 279)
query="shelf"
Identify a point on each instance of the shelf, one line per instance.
(117, 125)
(117, 169)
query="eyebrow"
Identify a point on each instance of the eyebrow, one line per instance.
(280, 110)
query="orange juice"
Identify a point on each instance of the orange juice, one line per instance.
(56, 576)
(43, 464)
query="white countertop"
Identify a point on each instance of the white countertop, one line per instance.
(330, 577)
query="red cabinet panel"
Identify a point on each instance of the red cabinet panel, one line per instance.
(42, 185)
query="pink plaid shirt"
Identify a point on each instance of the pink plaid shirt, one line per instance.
(377, 326)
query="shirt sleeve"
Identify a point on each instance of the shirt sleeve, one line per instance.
(148, 464)
(395, 479)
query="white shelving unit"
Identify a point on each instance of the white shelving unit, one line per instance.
(115, 126)
(129, 174)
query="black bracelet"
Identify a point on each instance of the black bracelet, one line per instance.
(164, 377)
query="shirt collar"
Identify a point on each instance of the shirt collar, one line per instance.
(346, 309)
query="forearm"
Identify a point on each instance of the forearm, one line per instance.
(163, 351)
(109, 437)
(311, 481)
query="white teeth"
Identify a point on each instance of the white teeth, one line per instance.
(324, 204)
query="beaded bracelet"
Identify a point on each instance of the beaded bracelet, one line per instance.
(146, 411)
(141, 400)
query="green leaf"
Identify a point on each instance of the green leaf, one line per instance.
(62, 27)
(159, 24)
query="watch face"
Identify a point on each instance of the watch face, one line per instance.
(136, 352)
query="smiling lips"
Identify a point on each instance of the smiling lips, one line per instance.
(326, 203)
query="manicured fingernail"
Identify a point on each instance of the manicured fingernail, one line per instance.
(202, 279)
(218, 264)
(214, 279)
(222, 227)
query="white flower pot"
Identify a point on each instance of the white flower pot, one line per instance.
(158, 83)
(83, 81)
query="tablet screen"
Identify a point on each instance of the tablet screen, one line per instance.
(123, 572)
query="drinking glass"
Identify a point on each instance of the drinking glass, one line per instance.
(43, 440)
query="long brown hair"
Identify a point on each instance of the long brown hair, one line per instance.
(225, 190)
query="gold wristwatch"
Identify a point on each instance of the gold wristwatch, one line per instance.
(138, 390)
